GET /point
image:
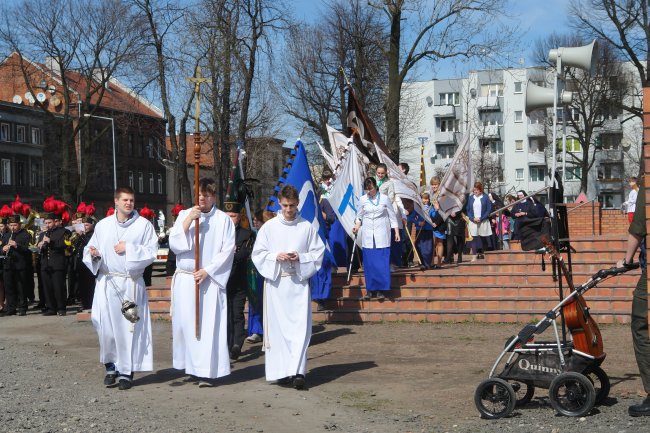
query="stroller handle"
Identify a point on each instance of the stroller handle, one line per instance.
(616, 271)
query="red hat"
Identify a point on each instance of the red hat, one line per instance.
(81, 210)
(65, 216)
(147, 213)
(49, 204)
(6, 212)
(177, 209)
(17, 206)
(90, 209)
(26, 209)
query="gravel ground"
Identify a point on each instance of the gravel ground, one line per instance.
(362, 378)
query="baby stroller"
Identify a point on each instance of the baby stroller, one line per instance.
(574, 378)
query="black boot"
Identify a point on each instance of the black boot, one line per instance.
(642, 409)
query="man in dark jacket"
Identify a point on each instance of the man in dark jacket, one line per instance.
(15, 247)
(236, 288)
(54, 264)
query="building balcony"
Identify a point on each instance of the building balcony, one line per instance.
(536, 158)
(611, 184)
(444, 111)
(611, 125)
(536, 130)
(611, 155)
(488, 103)
(490, 131)
(446, 137)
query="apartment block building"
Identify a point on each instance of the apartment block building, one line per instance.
(510, 150)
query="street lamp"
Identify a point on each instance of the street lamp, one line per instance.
(113, 129)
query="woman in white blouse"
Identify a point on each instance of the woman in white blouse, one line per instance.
(376, 217)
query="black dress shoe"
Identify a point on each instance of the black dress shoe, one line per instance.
(49, 313)
(299, 381)
(642, 409)
(123, 384)
(235, 352)
(8, 313)
(61, 313)
(22, 313)
(110, 378)
(284, 381)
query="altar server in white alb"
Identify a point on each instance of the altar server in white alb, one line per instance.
(122, 245)
(287, 252)
(207, 357)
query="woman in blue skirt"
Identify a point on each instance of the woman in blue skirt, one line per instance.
(376, 217)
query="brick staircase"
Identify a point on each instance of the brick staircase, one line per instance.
(508, 286)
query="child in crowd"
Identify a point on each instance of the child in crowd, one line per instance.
(423, 233)
(439, 235)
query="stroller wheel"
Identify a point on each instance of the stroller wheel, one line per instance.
(572, 394)
(524, 392)
(494, 398)
(600, 380)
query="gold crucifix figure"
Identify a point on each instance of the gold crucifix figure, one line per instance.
(197, 79)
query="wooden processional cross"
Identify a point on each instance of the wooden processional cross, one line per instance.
(197, 79)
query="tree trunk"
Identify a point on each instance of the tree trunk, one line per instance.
(391, 109)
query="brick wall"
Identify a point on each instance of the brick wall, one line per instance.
(590, 219)
(646, 158)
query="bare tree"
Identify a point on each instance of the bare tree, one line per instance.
(625, 25)
(442, 30)
(162, 42)
(86, 42)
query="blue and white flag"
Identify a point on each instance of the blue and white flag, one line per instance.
(298, 174)
(347, 189)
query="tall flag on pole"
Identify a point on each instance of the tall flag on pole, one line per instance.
(346, 191)
(328, 157)
(405, 188)
(456, 183)
(366, 133)
(297, 173)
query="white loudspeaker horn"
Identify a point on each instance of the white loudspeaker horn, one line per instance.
(585, 57)
(538, 97)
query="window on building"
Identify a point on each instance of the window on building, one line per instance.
(20, 177)
(518, 87)
(449, 125)
(491, 119)
(610, 141)
(573, 173)
(609, 171)
(140, 147)
(130, 147)
(537, 173)
(35, 175)
(450, 98)
(20, 133)
(6, 171)
(446, 151)
(519, 116)
(536, 145)
(537, 117)
(519, 174)
(140, 182)
(519, 145)
(572, 145)
(130, 179)
(495, 89)
(4, 132)
(608, 200)
(160, 183)
(150, 149)
(36, 136)
(494, 147)
(151, 184)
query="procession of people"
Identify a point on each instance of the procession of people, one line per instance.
(102, 265)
